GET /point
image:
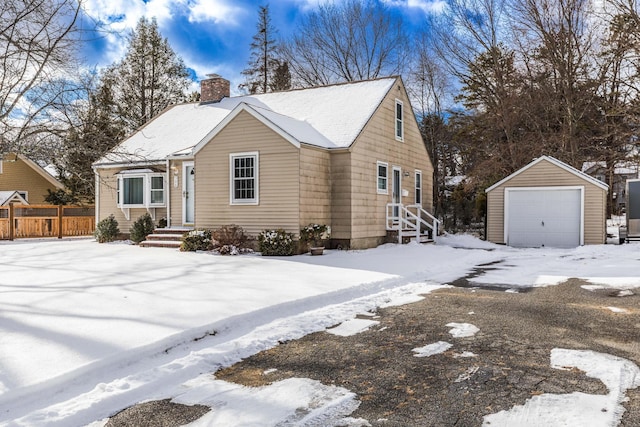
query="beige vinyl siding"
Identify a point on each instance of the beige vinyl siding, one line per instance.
(377, 142)
(545, 174)
(17, 175)
(341, 195)
(279, 179)
(315, 186)
(108, 202)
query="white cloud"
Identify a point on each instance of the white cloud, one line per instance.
(118, 17)
(427, 6)
(218, 11)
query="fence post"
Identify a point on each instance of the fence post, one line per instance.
(59, 221)
(11, 231)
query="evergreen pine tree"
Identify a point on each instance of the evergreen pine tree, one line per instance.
(149, 78)
(263, 62)
(281, 79)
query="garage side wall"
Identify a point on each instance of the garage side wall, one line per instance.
(546, 174)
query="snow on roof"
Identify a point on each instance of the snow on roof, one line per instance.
(326, 116)
(621, 168)
(11, 196)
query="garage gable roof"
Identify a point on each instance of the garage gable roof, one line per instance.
(558, 163)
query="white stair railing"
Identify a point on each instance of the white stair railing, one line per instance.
(411, 217)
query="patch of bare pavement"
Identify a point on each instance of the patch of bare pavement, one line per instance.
(504, 364)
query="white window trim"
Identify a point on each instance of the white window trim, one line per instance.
(146, 190)
(256, 199)
(418, 173)
(386, 165)
(395, 121)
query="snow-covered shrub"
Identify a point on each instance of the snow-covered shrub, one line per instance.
(231, 235)
(107, 230)
(314, 234)
(275, 242)
(162, 222)
(141, 228)
(197, 240)
(232, 250)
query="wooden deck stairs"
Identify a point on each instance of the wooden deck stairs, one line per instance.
(165, 238)
(411, 223)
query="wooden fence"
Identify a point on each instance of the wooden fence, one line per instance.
(18, 221)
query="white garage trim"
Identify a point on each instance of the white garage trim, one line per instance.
(508, 190)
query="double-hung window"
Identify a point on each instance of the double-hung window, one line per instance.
(140, 188)
(244, 178)
(418, 187)
(383, 177)
(399, 121)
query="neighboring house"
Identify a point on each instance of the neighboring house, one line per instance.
(547, 203)
(621, 173)
(7, 197)
(333, 155)
(24, 176)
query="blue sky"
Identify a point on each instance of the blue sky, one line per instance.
(211, 36)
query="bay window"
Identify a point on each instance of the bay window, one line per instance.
(140, 188)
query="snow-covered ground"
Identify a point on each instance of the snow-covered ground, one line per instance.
(88, 329)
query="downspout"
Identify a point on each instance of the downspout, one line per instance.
(168, 172)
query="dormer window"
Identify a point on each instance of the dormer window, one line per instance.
(399, 121)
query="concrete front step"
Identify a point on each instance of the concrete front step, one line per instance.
(161, 244)
(169, 236)
(173, 230)
(165, 237)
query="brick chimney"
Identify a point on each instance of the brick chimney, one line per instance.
(214, 89)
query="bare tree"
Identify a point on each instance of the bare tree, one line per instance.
(560, 53)
(37, 41)
(350, 41)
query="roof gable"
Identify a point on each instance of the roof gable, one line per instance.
(7, 197)
(557, 163)
(326, 116)
(37, 169)
(292, 130)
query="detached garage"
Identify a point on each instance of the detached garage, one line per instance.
(547, 203)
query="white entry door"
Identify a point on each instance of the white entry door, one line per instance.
(543, 217)
(188, 193)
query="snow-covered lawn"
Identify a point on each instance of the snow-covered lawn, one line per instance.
(88, 329)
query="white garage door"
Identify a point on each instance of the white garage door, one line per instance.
(543, 217)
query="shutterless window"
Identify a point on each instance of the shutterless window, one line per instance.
(133, 190)
(383, 170)
(244, 178)
(399, 121)
(418, 187)
(157, 190)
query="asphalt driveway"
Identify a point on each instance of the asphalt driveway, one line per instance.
(507, 361)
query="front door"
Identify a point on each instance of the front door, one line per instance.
(188, 193)
(396, 187)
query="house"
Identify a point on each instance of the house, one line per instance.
(547, 203)
(334, 155)
(622, 171)
(19, 174)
